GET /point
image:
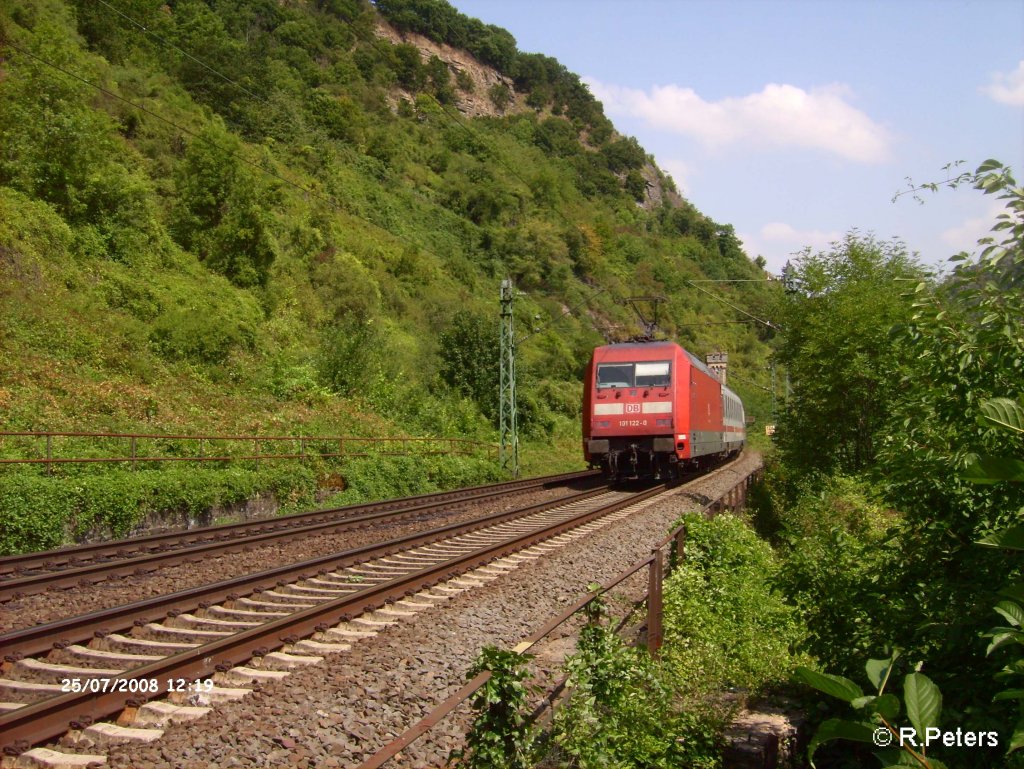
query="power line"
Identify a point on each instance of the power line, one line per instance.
(330, 201)
(733, 375)
(565, 314)
(714, 323)
(763, 322)
(182, 51)
(218, 73)
(242, 88)
(452, 117)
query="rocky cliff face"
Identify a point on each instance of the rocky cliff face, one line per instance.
(657, 193)
(476, 101)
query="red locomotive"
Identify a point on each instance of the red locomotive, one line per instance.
(651, 407)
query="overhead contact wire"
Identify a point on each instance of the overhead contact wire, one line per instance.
(183, 52)
(717, 298)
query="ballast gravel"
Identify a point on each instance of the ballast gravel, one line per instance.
(339, 712)
(58, 604)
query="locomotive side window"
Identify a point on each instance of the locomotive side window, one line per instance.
(614, 375)
(652, 374)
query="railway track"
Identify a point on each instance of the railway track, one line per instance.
(170, 658)
(31, 573)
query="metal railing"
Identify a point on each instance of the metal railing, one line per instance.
(210, 448)
(659, 565)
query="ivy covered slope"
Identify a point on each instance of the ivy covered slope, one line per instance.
(256, 216)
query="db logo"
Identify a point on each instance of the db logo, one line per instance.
(632, 408)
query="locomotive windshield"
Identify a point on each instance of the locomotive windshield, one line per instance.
(647, 374)
(652, 374)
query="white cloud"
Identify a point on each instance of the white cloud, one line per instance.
(779, 115)
(778, 241)
(965, 236)
(1007, 87)
(781, 233)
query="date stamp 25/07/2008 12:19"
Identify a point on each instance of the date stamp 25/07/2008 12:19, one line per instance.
(136, 685)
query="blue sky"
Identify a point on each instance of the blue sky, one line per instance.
(798, 120)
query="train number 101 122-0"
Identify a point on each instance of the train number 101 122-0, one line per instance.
(632, 423)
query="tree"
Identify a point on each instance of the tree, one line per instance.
(968, 339)
(965, 344)
(469, 358)
(222, 210)
(409, 69)
(943, 357)
(500, 96)
(624, 154)
(440, 80)
(837, 346)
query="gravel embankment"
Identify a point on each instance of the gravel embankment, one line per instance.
(338, 712)
(58, 604)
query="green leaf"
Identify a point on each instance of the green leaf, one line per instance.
(983, 469)
(1014, 592)
(891, 757)
(888, 706)
(1012, 611)
(885, 705)
(923, 700)
(1015, 668)
(1004, 412)
(1003, 636)
(879, 670)
(835, 686)
(1017, 738)
(838, 729)
(1009, 694)
(1010, 539)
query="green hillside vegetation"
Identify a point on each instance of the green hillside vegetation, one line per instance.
(261, 217)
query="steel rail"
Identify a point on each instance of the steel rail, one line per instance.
(49, 718)
(159, 548)
(41, 638)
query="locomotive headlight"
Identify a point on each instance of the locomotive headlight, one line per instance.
(681, 436)
(663, 422)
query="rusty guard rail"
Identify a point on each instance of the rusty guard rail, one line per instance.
(658, 568)
(302, 447)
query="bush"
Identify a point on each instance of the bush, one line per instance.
(724, 623)
(832, 578)
(389, 477)
(39, 512)
(350, 356)
(623, 711)
(190, 334)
